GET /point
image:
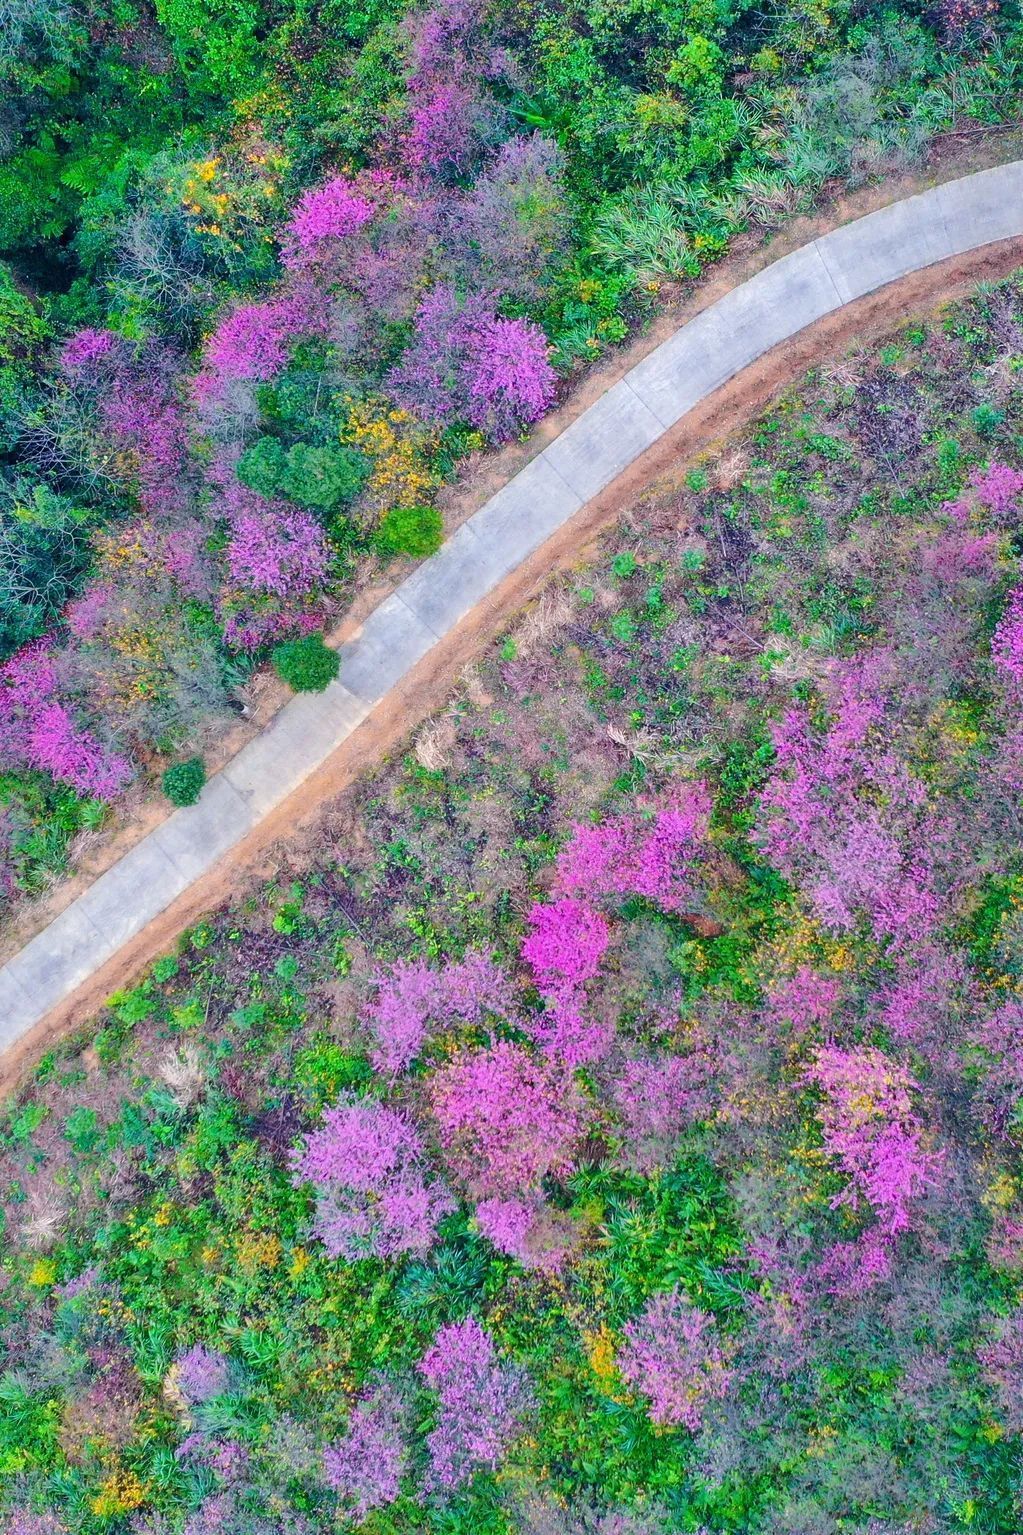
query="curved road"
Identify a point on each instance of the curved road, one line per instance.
(854, 260)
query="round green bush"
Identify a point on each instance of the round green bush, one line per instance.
(183, 783)
(307, 665)
(414, 531)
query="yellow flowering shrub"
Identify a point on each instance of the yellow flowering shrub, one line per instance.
(399, 450)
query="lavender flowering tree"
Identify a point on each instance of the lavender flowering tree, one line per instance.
(366, 1466)
(412, 999)
(466, 362)
(201, 1373)
(673, 1356)
(374, 1196)
(482, 1404)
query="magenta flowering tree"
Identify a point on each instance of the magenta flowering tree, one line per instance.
(929, 1000)
(413, 999)
(656, 859)
(374, 1195)
(510, 230)
(87, 348)
(508, 376)
(805, 1001)
(449, 119)
(277, 562)
(144, 421)
(24, 1521)
(507, 1120)
(322, 217)
(482, 1405)
(443, 133)
(673, 1355)
(848, 1270)
(466, 362)
(39, 730)
(251, 342)
(870, 1127)
(366, 1465)
(564, 948)
(278, 549)
(1007, 647)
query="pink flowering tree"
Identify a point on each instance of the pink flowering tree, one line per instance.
(674, 1356)
(482, 1405)
(252, 342)
(872, 1131)
(998, 488)
(1007, 648)
(626, 856)
(507, 1120)
(413, 1000)
(374, 1194)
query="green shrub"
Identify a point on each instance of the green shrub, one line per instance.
(263, 466)
(414, 531)
(308, 665)
(183, 783)
(987, 419)
(319, 477)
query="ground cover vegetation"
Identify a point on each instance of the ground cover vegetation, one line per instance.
(615, 1130)
(271, 270)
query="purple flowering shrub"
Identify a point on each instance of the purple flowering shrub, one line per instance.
(201, 1373)
(366, 1466)
(871, 1128)
(482, 1404)
(413, 1000)
(673, 1356)
(374, 1195)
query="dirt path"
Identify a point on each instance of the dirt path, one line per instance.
(428, 685)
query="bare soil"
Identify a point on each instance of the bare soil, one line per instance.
(290, 829)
